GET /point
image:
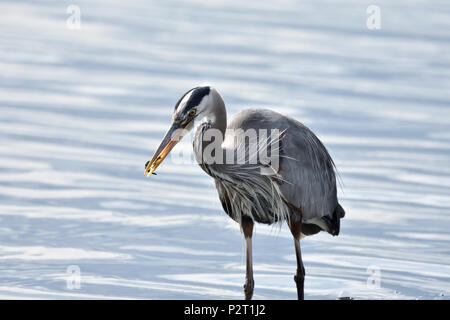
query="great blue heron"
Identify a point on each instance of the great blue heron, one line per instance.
(297, 185)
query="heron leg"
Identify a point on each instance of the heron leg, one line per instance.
(247, 228)
(299, 277)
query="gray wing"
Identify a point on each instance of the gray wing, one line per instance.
(307, 170)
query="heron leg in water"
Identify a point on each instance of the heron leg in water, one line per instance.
(299, 277)
(247, 228)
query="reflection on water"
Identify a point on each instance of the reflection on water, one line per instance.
(81, 111)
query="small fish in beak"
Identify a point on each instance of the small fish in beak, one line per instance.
(172, 137)
(146, 165)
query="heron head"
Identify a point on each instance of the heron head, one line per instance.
(194, 104)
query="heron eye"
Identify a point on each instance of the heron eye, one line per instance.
(192, 112)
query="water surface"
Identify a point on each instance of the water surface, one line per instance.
(81, 111)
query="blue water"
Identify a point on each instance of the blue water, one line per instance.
(82, 110)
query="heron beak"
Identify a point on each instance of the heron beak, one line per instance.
(172, 137)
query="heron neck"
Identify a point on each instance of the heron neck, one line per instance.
(216, 119)
(218, 115)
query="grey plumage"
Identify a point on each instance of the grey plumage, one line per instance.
(306, 178)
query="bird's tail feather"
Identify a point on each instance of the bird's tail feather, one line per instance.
(334, 223)
(339, 211)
